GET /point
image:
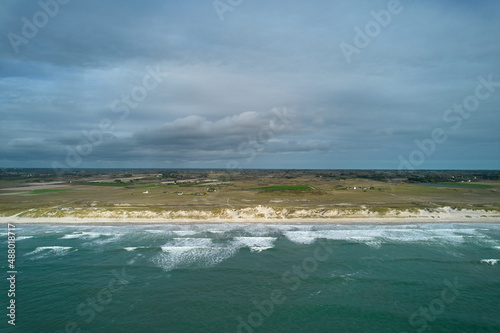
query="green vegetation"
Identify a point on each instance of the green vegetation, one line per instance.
(108, 184)
(148, 186)
(83, 192)
(467, 185)
(285, 188)
(13, 182)
(38, 192)
(209, 184)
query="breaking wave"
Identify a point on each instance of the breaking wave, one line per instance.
(46, 251)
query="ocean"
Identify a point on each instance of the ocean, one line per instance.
(254, 278)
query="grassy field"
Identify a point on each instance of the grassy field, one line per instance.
(285, 188)
(467, 185)
(107, 184)
(301, 191)
(40, 192)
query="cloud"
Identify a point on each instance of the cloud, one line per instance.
(232, 129)
(225, 77)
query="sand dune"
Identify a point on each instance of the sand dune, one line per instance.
(259, 214)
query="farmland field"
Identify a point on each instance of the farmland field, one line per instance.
(218, 189)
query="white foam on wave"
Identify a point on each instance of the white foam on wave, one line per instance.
(23, 237)
(185, 232)
(490, 261)
(102, 241)
(374, 244)
(156, 231)
(190, 242)
(418, 235)
(133, 248)
(96, 238)
(309, 237)
(185, 252)
(45, 251)
(373, 236)
(87, 235)
(180, 248)
(192, 252)
(186, 244)
(256, 244)
(496, 247)
(300, 237)
(270, 230)
(72, 236)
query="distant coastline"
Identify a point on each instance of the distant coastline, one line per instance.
(249, 196)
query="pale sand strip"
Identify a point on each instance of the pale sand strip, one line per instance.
(340, 220)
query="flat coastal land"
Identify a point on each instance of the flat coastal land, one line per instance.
(90, 196)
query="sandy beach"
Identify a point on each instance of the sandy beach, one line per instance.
(266, 215)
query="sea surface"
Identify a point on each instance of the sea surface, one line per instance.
(255, 278)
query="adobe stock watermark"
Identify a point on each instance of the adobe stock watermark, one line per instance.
(292, 280)
(223, 6)
(30, 27)
(121, 107)
(255, 144)
(371, 30)
(425, 315)
(455, 116)
(92, 305)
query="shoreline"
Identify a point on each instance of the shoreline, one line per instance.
(158, 221)
(260, 214)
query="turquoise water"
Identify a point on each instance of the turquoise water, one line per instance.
(256, 278)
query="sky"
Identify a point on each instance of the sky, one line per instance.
(237, 84)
